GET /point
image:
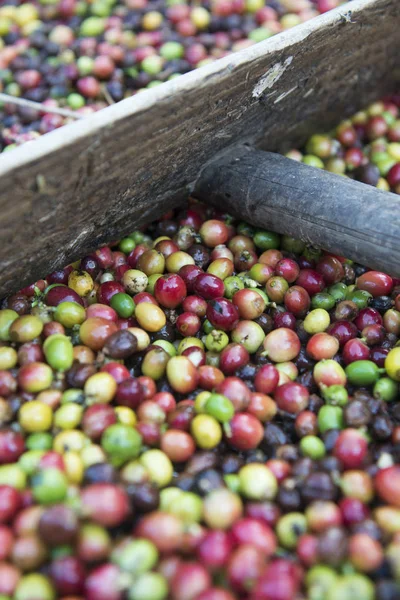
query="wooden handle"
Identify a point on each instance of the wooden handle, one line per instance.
(326, 210)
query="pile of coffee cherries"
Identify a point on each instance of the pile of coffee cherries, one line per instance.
(86, 54)
(201, 411)
(365, 147)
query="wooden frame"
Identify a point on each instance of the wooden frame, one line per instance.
(93, 180)
(336, 213)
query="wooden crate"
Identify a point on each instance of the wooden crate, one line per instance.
(93, 180)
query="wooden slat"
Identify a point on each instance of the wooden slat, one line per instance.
(331, 212)
(96, 179)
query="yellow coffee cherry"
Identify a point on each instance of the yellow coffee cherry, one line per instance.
(150, 317)
(152, 20)
(100, 388)
(394, 150)
(26, 13)
(383, 185)
(200, 401)
(8, 12)
(200, 17)
(73, 467)
(160, 239)
(8, 358)
(206, 431)
(388, 518)
(143, 338)
(158, 466)
(168, 497)
(35, 416)
(188, 342)
(316, 321)
(71, 440)
(92, 455)
(134, 472)
(81, 282)
(134, 281)
(25, 329)
(13, 475)
(29, 28)
(126, 415)
(68, 416)
(392, 364)
(177, 260)
(5, 26)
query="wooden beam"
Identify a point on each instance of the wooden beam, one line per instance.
(96, 179)
(335, 213)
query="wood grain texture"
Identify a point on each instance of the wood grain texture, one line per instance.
(85, 184)
(330, 212)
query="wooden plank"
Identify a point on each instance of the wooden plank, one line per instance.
(330, 212)
(93, 180)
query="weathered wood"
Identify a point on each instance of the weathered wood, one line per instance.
(331, 212)
(95, 179)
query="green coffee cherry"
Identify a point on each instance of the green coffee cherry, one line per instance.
(69, 314)
(149, 586)
(265, 240)
(313, 447)
(291, 244)
(123, 305)
(121, 443)
(245, 228)
(167, 346)
(75, 101)
(319, 581)
(350, 587)
(249, 334)
(260, 34)
(39, 441)
(168, 496)
(172, 50)
(313, 161)
(49, 486)
(233, 482)
(188, 507)
(137, 556)
(290, 527)
(330, 417)
(257, 482)
(92, 27)
(29, 461)
(360, 298)
(323, 300)
(362, 372)
(59, 352)
(386, 389)
(126, 245)
(338, 291)
(219, 407)
(34, 586)
(336, 395)
(232, 285)
(216, 340)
